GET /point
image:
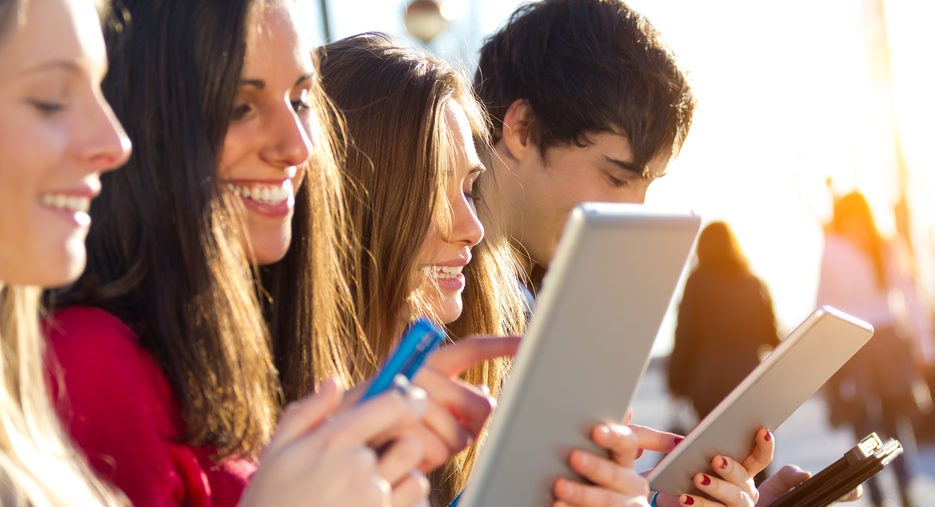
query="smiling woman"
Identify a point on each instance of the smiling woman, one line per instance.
(57, 135)
(411, 171)
(167, 379)
(267, 142)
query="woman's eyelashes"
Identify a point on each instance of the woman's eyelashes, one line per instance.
(46, 107)
(243, 110)
(49, 95)
(302, 102)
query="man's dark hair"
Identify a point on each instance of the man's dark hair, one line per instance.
(586, 66)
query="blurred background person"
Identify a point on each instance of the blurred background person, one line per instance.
(865, 274)
(725, 323)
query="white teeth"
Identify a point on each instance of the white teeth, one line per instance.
(442, 271)
(72, 203)
(266, 194)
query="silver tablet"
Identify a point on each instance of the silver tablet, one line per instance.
(588, 344)
(794, 371)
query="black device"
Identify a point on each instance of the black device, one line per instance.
(857, 465)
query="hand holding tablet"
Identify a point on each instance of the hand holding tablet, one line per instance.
(795, 370)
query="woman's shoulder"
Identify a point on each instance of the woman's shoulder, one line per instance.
(92, 346)
(90, 328)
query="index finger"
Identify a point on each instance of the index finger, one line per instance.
(375, 417)
(655, 440)
(456, 358)
(762, 453)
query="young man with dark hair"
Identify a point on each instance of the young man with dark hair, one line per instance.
(587, 104)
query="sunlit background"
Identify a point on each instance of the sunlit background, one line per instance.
(791, 95)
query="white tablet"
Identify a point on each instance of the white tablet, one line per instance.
(588, 344)
(794, 371)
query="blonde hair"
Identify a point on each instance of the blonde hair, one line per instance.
(39, 466)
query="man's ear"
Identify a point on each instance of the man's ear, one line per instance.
(516, 124)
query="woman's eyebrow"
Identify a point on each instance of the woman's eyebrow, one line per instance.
(303, 78)
(260, 84)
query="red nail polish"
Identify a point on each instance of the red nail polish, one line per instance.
(705, 480)
(678, 440)
(768, 436)
(688, 500)
(639, 453)
(723, 463)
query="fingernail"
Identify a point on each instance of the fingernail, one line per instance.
(603, 430)
(768, 436)
(639, 453)
(678, 440)
(416, 396)
(723, 463)
(705, 480)
(687, 500)
(583, 458)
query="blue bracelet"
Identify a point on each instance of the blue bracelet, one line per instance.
(652, 502)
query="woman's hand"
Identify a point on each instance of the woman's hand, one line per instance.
(456, 411)
(614, 482)
(728, 483)
(787, 478)
(314, 460)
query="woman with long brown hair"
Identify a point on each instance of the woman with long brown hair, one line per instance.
(865, 274)
(725, 323)
(167, 381)
(410, 170)
(57, 135)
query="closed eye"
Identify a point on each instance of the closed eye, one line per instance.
(47, 108)
(617, 182)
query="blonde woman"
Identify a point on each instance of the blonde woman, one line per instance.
(57, 135)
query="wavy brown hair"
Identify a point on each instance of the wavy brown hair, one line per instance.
(392, 101)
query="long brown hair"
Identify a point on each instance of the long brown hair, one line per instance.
(305, 296)
(853, 219)
(38, 464)
(163, 253)
(392, 100)
(719, 250)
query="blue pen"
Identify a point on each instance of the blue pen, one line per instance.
(422, 338)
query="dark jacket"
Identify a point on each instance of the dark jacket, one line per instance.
(725, 318)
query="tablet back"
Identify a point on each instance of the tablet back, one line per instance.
(586, 349)
(792, 372)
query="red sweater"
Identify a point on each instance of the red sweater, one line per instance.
(119, 408)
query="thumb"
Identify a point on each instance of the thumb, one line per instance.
(306, 414)
(782, 481)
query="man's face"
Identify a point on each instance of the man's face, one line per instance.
(538, 192)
